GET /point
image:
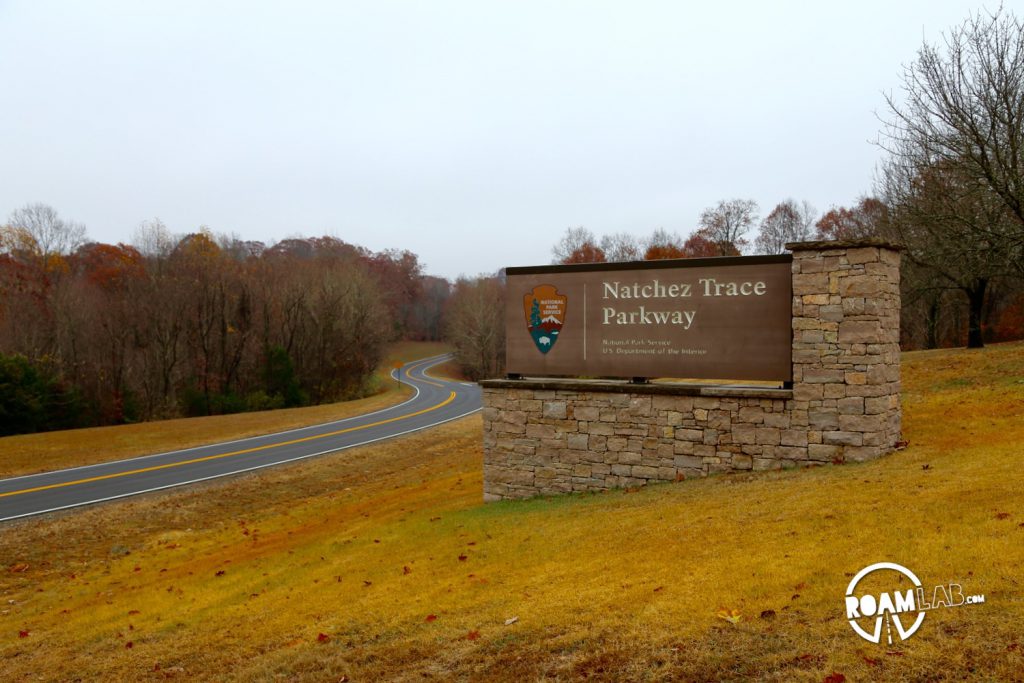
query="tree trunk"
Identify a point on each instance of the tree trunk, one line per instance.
(976, 301)
(932, 342)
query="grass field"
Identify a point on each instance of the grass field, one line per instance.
(29, 453)
(381, 563)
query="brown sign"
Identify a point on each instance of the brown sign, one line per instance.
(723, 318)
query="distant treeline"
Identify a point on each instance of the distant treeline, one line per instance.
(201, 324)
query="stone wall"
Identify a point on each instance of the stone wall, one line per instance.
(552, 436)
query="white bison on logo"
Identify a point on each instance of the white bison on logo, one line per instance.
(546, 341)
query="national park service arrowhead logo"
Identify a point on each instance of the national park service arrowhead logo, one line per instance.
(545, 314)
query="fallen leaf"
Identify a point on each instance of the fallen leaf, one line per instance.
(511, 620)
(462, 558)
(473, 635)
(367, 583)
(768, 614)
(23, 634)
(406, 570)
(133, 612)
(809, 659)
(129, 645)
(18, 568)
(730, 615)
(834, 677)
(430, 618)
(926, 466)
(871, 661)
(323, 638)
(220, 572)
(659, 589)
(1002, 515)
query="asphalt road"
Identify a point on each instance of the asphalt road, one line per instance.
(435, 401)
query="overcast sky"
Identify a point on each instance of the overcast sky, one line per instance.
(472, 133)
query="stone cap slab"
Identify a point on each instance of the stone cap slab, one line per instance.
(818, 245)
(623, 387)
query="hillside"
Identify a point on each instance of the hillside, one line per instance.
(382, 563)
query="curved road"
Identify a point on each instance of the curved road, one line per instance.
(435, 401)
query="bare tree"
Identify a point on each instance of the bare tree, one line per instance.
(621, 246)
(476, 326)
(953, 226)
(152, 238)
(578, 245)
(50, 233)
(963, 107)
(727, 223)
(788, 222)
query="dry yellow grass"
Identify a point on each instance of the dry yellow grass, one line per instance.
(237, 580)
(29, 453)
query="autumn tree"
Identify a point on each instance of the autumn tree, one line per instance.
(728, 222)
(865, 219)
(427, 317)
(348, 324)
(663, 244)
(399, 277)
(106, 294)
(698, 245)
(789, 221)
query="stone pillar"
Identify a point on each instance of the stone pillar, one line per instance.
(846, 354)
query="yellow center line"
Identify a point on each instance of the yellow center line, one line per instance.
(423, 379)
(451, 397)
(433, 384)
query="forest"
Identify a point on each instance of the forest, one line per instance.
(191, 325)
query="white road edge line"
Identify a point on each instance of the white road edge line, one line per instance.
(241, 471)
(135, 458)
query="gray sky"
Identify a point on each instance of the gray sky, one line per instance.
(472, 133)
